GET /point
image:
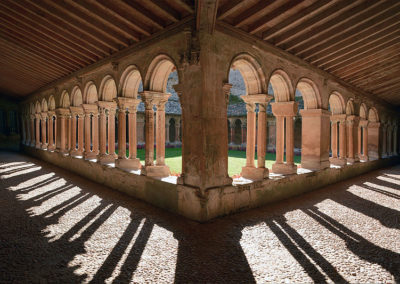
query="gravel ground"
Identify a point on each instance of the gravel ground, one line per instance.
(58, 227)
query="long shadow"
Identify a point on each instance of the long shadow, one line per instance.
(40, 198)
(299, 242)
(38, 185)
(361, 247)
(384, 192)
(18, 170)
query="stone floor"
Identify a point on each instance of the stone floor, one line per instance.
(58, 227)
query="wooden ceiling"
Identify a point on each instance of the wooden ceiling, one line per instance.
(357, 41)
(44, 40)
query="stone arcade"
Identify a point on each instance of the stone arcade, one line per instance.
(71, 122)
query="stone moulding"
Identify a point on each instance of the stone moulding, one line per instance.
(203, 206)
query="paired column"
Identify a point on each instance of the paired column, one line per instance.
(61, 142)
(76, 125)
(338, 140)
(250, 171)
(315, 139)
(284, 113)
(373, 140)
(37, 131)
(384, 140)
(127, 106)
(363, 128)
(107, 131)
(352, 139)
(158, 100)
(51, 122)
(33, 130)
(91, 131)
(43, 122)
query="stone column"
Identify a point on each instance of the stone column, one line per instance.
(232, 132)
(37, 131)
(364, 126)
(315, 139)
(61, 141)
(91, 127)
(107, 113)
(251, 134)
(341, 131)
(51, 146)
(284, 111)
(23, 140)
(81, 125)
(177, 132)
(359, 142)
(158, 99)
(129, 105)
(73, 134)
(395, 140)
(334, 136)
(373, 140)
(342, 140)
(74, 121)
(33, 132)
(244, 132)
(350, 139)
(389, 141)
(43, 122)
(384, 140)
(262, 135)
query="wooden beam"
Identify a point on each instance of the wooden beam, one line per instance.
(230, 8)
(128, 9)
(375, 71)
(161, 8)
(254, 12)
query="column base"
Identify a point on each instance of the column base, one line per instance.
(338, 161)
(350, 161)
(129, 164)
(44, 146)
(91, 155)
(315, 165)
(156, 171)
(75, 153)
(106, 159)
(51, 148)
(284, 169)
(38, 146)
(254, 173)
(364, 158)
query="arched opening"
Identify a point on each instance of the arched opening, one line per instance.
(172, 130)
(44, 124)
(90, 109)
(159, 95)
(373, 134)
(363, 133)
(237, 134)
(79, 141)
(338, 129)
(38, 125)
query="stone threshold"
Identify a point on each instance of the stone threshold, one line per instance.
(205, 205)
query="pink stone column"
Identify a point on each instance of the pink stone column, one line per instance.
(373, 140)
(63, 134)
(390, 150)
(365, 143)
(111, 132)
(68, 129)
(280, 137)
(33, 135)
(289, 140)
(43, 122)
(37, 131)
(103, 133)
(81, 118)
(95, 133)
(342, 142)
(395, 141)
(73, 134)
(121, 133)
(251, 134)
(132, 133)
(350, 139)
(261, 135)
(384, 138)
(334, 146)
(359, 129)
(87, 134)
(160, 134)
(149, 133)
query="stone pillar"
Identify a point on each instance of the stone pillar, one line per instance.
(244, 132)
(107, 113)
(81, 128)
(91, 127)
(395, 140)
(251, 134)
(341, 131)
(23, 140)
(284, 111)
(52, 121)
(384, 140)
(73, 134)
(76, 124)
(158, 99)
(334, 136)
(177, 131)
(43, 121)
(351, 139)
(37, 131)
(61, 141)
(389, 141)
(127, 105)
(33, 131)
(373, 140)
(232, 132)
(364, 126)
(315, 139)
(262, 135)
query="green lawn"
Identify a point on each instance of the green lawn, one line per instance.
(236, 160)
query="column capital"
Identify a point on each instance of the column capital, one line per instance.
(51, 113)
(107, 105)
(127, 103)
(90, 108)
(63, 112)
(154, 98)
(374, 124)
(338, 118)
(257, 98)
(76, 110)
(284, 108)
(43, 115)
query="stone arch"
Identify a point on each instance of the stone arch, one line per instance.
(336, 103)
(65, 102)
(158, 73)
(52, 103)
(251, 72)
(44, 107)
(310, 93)
(108, 89)
(90, 95)
(38, 108)
(282, 86)
(363, 111)
(350, 107)
(373, 115)
(76, 96)
(130, 82)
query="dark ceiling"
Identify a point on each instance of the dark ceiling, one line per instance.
(357, 41)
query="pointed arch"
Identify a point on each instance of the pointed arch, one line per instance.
(373, 115)
(363, 111)
(130, 82)
(336, 103)
(38, 108)
(282, 86)
(52, 103)
(44, 107)
(65, 102)
(108, 89)
(310, 93)
(90, 95)
(158, 73)
(350, 107)
(251, 72)
(76, 96)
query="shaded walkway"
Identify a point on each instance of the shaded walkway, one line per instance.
(56, 225)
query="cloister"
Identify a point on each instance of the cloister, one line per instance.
(87, 121)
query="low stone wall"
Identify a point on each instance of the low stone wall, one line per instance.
(196, 205)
